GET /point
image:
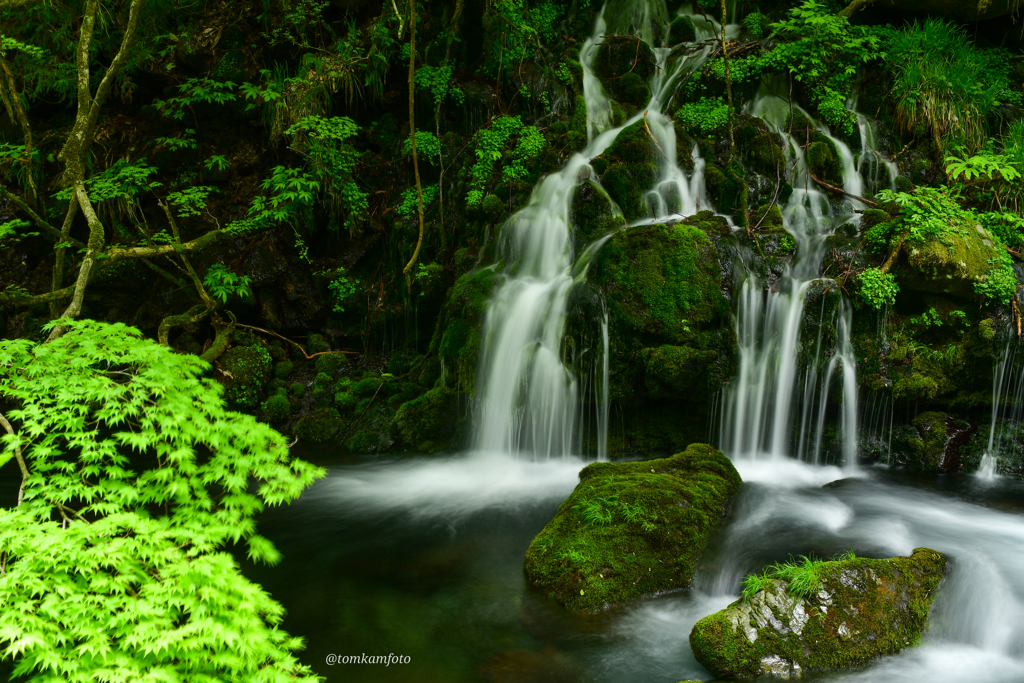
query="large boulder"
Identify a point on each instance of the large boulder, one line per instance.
(856, 610)
(632, 529)
(952, 265)
(628, 170)
(672, 345)
(932, 443)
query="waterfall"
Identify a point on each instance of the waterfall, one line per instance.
(1004, 385)
(777, 404)
(527, 396)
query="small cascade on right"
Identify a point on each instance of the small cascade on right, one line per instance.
(1007, 409)
(783, 400)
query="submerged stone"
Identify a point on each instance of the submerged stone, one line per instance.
(632, 529)
(861, 609)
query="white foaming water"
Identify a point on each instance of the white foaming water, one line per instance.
(777, 404)
(446, 488)
(527, 396)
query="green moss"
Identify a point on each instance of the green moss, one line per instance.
(681, 31)
(317, 344)
(663, 280)
(619, 55)
(632, 529)
(872, 217)
(458, 338)
(283, 369)
(727, 190)
(319, 427)
(492, 207)
(592, 213)
(823, 161)
(863, 609)
(367, 386)
(430, 423)
(765, 156)
(331, 363)
(669, 370)
(950, 264)
(249, 371)
(297, 388)
(916, 387)
(927, 451)
(632, 89)
(277, 408)
(345, 401)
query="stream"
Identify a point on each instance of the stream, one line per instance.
(423, 557)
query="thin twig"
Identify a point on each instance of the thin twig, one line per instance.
(295, 344)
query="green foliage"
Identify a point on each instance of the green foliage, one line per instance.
(878, 289)
(114, 565)
(215, 162)
(11, 232)
(174, 144)
(705, 116)
(802, 576)
(927, 212)
(427, 146)
(944, 84)
(523, 29)
(983, 166)
(1000, 284)
(490, 145)
(531, 143)
(194, 90)
(824, 50)
(341, 287)
(115, 191)
(222, 283)
(290, 192)
(333, 162)
(410, 204)
(191, 201)
(754, 23)
(438, 81)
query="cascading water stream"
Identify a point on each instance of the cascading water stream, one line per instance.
(1005, 384)
(775, 392)
(527, 396)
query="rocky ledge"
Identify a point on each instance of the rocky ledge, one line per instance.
(856, 609)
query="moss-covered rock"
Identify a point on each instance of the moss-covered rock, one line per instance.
(861, 609)
(319, 427)
(681, 31)
(277, 408)
(628, 170)
(950, 265)
(457, 341)
(593, 213)
(933, 443)
(430, 423)
(624, 63)
(671, 341)
(823, 160)
(632, 529)
(331, 363)
(248, 370)
(283, 369)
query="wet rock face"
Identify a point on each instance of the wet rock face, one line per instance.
(861, 609)
(632, 529)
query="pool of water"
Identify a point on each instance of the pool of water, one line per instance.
(422, 557)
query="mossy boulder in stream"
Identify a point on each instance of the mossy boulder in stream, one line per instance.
(593, 213)
(858, 610)
(932, 443)
(624, 63)
(457, 338)
(632, 529)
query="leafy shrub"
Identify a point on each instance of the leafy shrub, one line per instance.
(120, 545)
(706, 116)
(222, 283)
(878, 289)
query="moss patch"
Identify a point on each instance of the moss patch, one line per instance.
(632, 529)
(249, 371)
(430, 423)
(862, 609)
